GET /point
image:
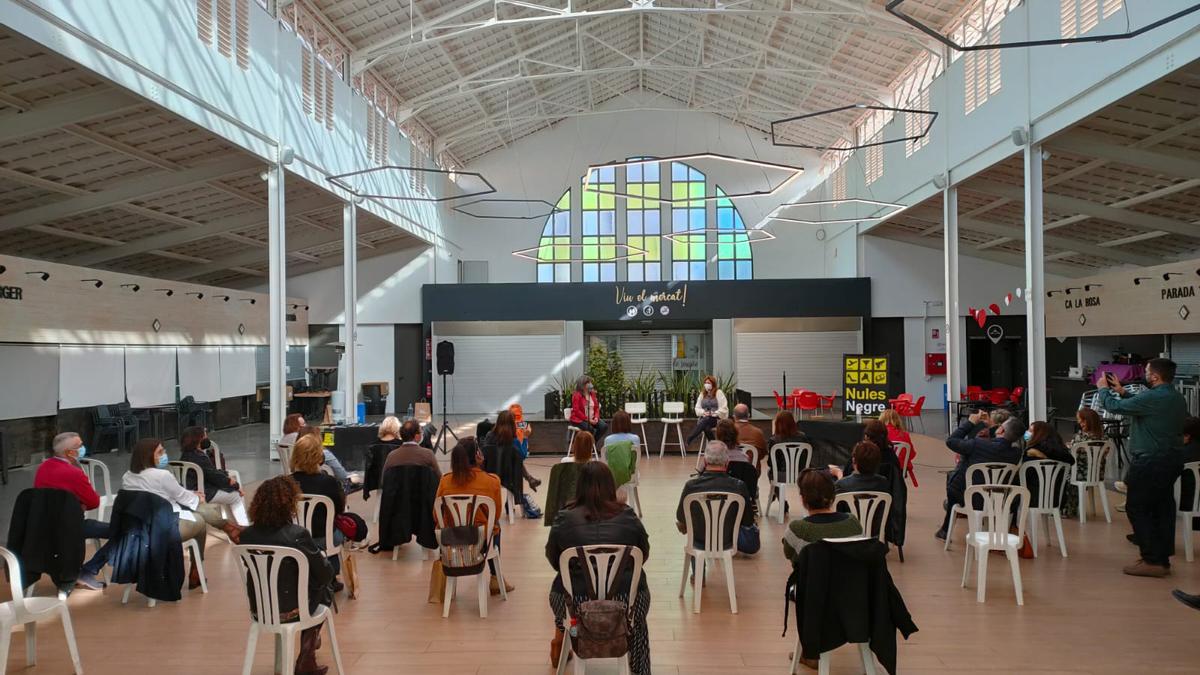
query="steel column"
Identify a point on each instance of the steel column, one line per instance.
(1035, 284)
(350, 314)
(277, 277)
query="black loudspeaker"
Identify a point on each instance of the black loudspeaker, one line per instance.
(445, 357)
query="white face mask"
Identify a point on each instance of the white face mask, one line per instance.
(708, 386)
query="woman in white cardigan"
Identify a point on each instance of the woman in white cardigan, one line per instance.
(711, 407)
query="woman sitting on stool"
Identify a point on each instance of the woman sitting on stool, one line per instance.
(711, 407)
(585, 409)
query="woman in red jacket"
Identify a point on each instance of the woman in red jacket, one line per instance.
(585, 409)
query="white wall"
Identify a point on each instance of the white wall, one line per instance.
(543, 165)
(389, 288)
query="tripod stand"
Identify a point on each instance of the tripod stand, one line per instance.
(441, 437)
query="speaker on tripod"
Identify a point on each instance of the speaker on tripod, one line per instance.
(445, 366)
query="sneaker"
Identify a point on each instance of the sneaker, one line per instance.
(1141, 568)
(1121, 487)
(89, 581)
(532, 511)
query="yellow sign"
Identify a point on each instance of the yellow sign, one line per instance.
(865, 384)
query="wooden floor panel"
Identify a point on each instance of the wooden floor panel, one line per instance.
(1081, 615)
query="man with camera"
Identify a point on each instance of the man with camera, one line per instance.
(1156, 417)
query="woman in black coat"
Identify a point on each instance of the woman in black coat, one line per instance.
(596, 517)
(273, 510)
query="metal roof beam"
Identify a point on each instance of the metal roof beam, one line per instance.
(1100, 147)
(1090, 209)
(128, 189)
(55, 113)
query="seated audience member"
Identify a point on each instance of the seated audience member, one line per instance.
(292, 424)
(748, 433)
(219, 487)
(147, 473)
(504, 434)
(621, 447)
(596, 516)
(784, 430)
(992, 422)
(62, 471)
(274, 510)
(896, 433)
(467, 477)
(389, 430)
(351, 482)
(715, 478)
(977, 450)
(726, 432)
(1043, 442)
(306, 464)
(865, 459)
(565, 475)
(585, 408)
(822, 522)
(408, 452)
(877, 433)
(1091, 428)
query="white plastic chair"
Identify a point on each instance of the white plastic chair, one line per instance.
(984, 473)
(571, 431)
(191, 546)
(751, 453)
(22, 610)
(1190, 510)
(98, 476)
(672, 417)
(788, 460)
(260, 567)
(904, 453)
(998, 502)
(604, 561)
(306, 509)
(1095, 453)
(637, 417)
(219, 462)
(871, 509)
(715, 507)
(284, 450)
(1051, 484)
(459, 507)
(825, 664)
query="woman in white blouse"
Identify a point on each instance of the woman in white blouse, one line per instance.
(147, 473)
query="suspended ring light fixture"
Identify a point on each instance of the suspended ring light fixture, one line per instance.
(893, 8)
(897, 208)
(931, 114)
(479, 209)
(340, 181)
(795, 172)
(753, 236)
(534, 253)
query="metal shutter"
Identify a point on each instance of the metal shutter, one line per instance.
(645, 353)
(812, 360)
(1185, 349)
(493, 371)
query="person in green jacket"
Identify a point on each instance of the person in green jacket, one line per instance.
(1156, 416)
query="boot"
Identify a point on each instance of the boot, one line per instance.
(494, 587)
(193, 576)
(233, 531)
(556, 645)
(306, 663)
(534, 483)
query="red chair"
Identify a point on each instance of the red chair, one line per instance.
(913, 410)
(827, 402)
(974, 393)
(779, 402)
(901, 402)
(998, 397)
(1017, 394)
(808, 400)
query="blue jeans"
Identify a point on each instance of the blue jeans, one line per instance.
(94, 529)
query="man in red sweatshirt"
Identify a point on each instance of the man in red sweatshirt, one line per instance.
(62, 471)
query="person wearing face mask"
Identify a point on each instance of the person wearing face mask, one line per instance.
(1043, 442)
(148, 473)
(585, 409)
(1157, 415)
(218, 487)
(711, 407)
(62, 471)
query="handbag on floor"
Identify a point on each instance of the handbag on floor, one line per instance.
(350, 574)
(437, 583)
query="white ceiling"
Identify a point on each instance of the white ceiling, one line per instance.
(480, 74)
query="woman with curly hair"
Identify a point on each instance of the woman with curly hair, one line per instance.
(273, 510)
(307, 458)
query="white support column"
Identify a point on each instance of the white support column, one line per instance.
(1035, 285)
(350, 286)
(277, 278)
(954, 381)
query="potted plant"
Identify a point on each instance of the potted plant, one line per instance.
(608, 376)
(643, 388)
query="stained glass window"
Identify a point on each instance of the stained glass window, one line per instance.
(599, 227)
(643, 226)
(733, 243)
(554, 250)
(687, 252)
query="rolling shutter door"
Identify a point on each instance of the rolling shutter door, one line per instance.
(645, 354)
(493, 371)
(1185, 350)
(812, 360)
